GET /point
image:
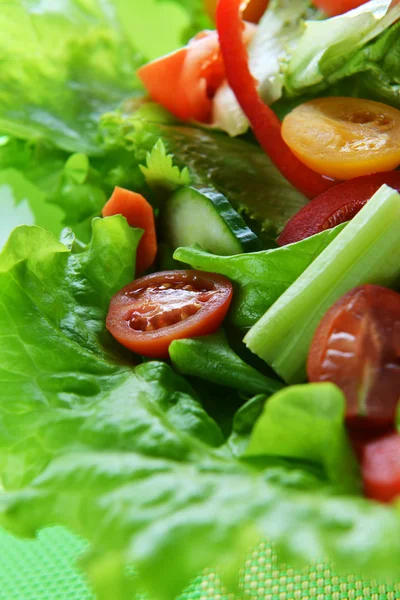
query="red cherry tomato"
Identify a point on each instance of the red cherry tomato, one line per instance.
(151, 312)
(185, 81)
(337, 7)
(338, 205)
(380, 468)
(357, 347)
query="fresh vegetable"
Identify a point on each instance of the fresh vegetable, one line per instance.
(204, 216)
(366, 251)
(252, 12)
(261, 277)
(338, 7)
(356, 347)
(238, 169)
(160, 171)
(211, 358)
(194, 73)
(380, 467)
(305, 422)
(151, 312)
(344, 137)
(265, 124)
(139, 213)
(338, 205)
(270, 48)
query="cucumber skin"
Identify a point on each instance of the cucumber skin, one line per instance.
(246, 238)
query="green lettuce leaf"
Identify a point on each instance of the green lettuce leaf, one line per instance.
(307, 422)
(353, 54)
(64, 63)
(126, 456)
(238, 169)
(212, 358)
(259, 278)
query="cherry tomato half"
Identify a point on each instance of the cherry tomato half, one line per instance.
(335, 206)
(150, 313)
(344, 138)
(357, 347)
(380, 468)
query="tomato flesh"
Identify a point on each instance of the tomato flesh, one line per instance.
(151, 312)
(344, 138)
(357, 347)
(380, 468)
(337, 7)
(335, 206)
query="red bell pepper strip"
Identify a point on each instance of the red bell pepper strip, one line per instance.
(265, 124)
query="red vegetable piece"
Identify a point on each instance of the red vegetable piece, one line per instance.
(151, 312)
(357, 347)
(337, 205)
(139, 213)
(380, 467)
(265, 124)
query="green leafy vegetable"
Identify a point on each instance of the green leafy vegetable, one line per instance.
(243, 423)
(241, 171)
(277, 33)
(367, 251)
(211, 358)
(349, 55)
(160, 170)
(260, 278)
(73, 65)
(125, 456)
(307, 422)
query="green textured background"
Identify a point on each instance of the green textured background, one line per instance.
(45, 569)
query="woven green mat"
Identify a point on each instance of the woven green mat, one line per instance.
(44, 570)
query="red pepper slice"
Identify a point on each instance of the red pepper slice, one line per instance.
(265, 124)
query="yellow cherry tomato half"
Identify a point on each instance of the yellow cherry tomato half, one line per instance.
(344, 137)
(252, 13)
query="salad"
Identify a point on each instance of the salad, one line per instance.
(199, 285)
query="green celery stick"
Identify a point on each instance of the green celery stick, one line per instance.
(366, 251)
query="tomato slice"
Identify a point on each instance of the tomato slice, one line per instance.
(344, 138)
(380, 468)
(185, 81)
(357, 347)
(337, 7)
(336, 206)
(150, 313)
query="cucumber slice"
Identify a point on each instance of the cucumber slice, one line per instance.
(199, 215)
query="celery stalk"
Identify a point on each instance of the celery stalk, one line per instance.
(366, 251)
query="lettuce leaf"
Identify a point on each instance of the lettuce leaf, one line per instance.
(74, 64)
(238, 169)
(307, 422)
(260, 278)
(354, 44)
(126, 456)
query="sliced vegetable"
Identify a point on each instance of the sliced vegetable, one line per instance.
(185, 81)
(139, 213)
(211, 358)
(252, 12)
(344, 137)
(366, 251)
(356, 346)
(265, 124)
(380, 468)
(204, 216)
(306, 422)
(151, 312)
(337, 7)
(337, 205)
(259, 277)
